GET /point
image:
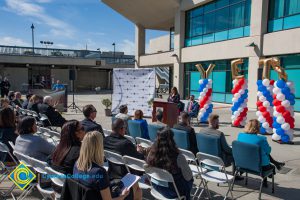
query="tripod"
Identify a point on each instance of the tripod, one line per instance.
(73, 104)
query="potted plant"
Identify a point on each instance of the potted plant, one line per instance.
(150, 102)
(107, 103)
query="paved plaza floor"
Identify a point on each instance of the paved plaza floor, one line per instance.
(287, 181)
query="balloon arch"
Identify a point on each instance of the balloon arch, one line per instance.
(275, 99)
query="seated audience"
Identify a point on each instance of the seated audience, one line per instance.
(12, 97)
(213, 126)
(5, 103)
(7, 129)
(90, 163)
(25, 103)
(123, 115)
(250, 135)
(185, 126)
(117, 143)
(18, 99)
(138, 116)
(47, 108)
(90, 113)
(164, 154)
(34, 101)
(192, 107)
(30, 144)
(159, 118)
(67, 151)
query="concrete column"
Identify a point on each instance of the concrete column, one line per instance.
(178, 72)
(140, 43)
(258, 27)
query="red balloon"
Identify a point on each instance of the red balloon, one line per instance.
(236, 123)
(241, 81)
(292, 126)
(280, 109)
(259, 103)
(286, 114)
(274, 96)
(272, 82)
(266, 114)
(262, 109)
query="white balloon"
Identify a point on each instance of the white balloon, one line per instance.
(276, 137)
(269, 130)
(262, 98)
(258, 113)
(209, 85)
(290, 84)
(202, 110)
(280, 120)
(285, 126)
(234, 99)
(259, 94)
(286, 103)
(266, 82)
(206, 106)
(265, 125)
(232, 117)
(234, 81)
(266, 104)
(240, 109)
(243, 123)
(237, 95)
(276, 90)
(236, 113)
(202, 93)
(261, 119)
(274, 130)
(280, 97)
(241, 91)
(291, 136)
(276, 114)
(200, 81)
(209, 81)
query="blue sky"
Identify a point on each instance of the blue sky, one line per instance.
(67, 23)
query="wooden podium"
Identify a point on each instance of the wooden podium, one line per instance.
(170, 112)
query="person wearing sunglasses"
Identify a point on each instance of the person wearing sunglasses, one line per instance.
(89, 123)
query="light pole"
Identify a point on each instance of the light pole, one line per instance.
(114, 44)
(99, 52)
(46, 43)
(32, 34)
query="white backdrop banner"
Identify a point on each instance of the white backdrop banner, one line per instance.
(133, 87)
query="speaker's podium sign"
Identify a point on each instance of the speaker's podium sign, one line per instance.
(133, 87)
(60, 97)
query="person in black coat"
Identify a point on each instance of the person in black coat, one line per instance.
(90, 113)
(116, 142)
(4, 86)
(47, 108)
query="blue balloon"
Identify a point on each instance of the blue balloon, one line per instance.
(281, 84)
(259, 82)
(205, 81)
(292, 102)
(286, 91)
(262, 130)
(261, 88)
(276, 125)
(285, 138)
(280, 131)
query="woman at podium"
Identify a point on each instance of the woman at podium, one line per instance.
(174, 96)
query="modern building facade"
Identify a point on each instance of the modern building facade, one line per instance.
(217, 31)
(26, 70)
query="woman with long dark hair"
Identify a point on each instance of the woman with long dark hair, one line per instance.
(67, 151)
(164, 154)
(30, 144)
(174, 96)
(7, 129)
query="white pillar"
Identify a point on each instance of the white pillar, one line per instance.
(140, 40)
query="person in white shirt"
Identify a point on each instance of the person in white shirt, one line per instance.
(123, 115)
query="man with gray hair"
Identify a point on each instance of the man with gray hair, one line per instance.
(47, 108)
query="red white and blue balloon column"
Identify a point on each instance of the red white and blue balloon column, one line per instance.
(240, 96)
(265, 105)
(205, 89)
(284, 121)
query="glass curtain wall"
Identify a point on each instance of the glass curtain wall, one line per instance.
(221, 76)
(218, 21)
(291, 63)
(283, 14)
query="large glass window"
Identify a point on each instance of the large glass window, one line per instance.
(283, 14)
(218, 21)
(221, 76)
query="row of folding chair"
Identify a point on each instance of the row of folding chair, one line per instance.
(48, 134)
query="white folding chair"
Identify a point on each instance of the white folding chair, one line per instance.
(131, 139)
(27, 162)
(216, 172)
(195, 168)
(114, 157)
(107, 132)
(6, 169)
(143, 142)
(137, 165)
(11, 144)
(162, 176)
(57, 179)
(40, 168)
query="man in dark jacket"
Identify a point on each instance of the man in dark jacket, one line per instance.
(90, 113)
(116, 142)
(4, 85)
(47, 108)
(185, 126)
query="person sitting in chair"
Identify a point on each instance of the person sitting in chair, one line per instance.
(159, 118)
(89, 124)
(192, 107)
